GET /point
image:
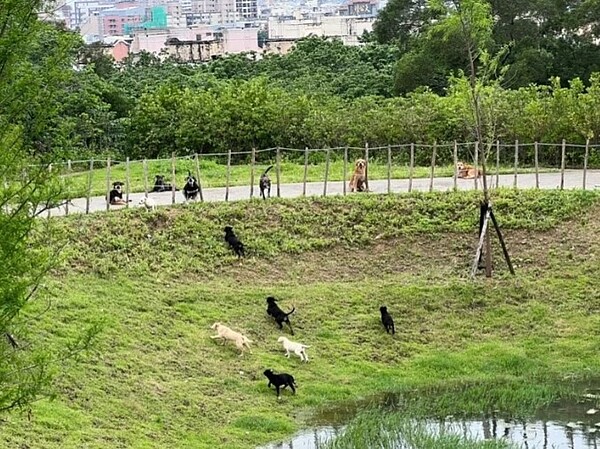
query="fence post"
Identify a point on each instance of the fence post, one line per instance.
(476, 160)
(49, 171)
(252, 172)
(585, 162)
(412, 166)
(497, 163)
(345, 170)
(455, 159)
(305, 171)
(108, 184)
(228, 174)
(197, 163)
(537, 166)
(367, 166)
(127, 182)
(89, 187)
(278, 172)
(173, 179)
(68, 195)
(326, 172)
(562, 164)
(433, 154)
(389, 170)
(145, 165)
(515, 182)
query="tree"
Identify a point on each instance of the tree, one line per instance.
(26, 361)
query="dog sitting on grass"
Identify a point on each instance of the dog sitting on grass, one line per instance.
(224, 333)
(387, 320)
(280, 381)
(265, 183)
(279, 315)
(297, 348)
(233, 242)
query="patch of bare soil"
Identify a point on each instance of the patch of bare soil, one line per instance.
(437, 256)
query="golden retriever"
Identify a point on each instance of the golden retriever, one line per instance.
(224, 333)
(358, 182)
(467, 171)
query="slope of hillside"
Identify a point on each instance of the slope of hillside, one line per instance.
(157, 281)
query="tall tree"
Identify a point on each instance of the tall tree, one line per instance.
(25, 360)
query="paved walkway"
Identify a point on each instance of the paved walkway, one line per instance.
(573, 180)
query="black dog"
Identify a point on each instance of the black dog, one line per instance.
(279, 315)
(280, 380)
(265, 183)
(115, 196)
(191, 189)
(233, 242)
(387, 320)
(160, 185)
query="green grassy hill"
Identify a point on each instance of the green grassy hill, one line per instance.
(157, 281)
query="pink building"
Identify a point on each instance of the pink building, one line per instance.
(115, 20)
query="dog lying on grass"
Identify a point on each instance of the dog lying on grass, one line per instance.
(387, 320)
(296, 348)
(265, 183)
(280, 381)
(233, 242)
(279, 315)
(224, 333)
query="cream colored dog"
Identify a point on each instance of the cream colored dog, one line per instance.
(224, 333)
(296, 348)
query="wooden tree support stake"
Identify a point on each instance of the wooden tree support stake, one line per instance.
(486, 214)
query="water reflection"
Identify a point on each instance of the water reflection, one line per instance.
(564, 425)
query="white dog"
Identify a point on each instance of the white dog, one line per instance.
(224, 333)
(149, 203)
(296, 348)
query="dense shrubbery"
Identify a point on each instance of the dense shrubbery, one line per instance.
(322, 93)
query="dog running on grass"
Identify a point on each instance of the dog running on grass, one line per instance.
(358, 182)
(387, 320)
(191, 189)
(233, 242)
(297, 348)
(224, 333)
(279, 315)
(265, 183)
(280, 381)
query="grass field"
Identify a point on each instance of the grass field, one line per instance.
(213, 174)
(155, 379)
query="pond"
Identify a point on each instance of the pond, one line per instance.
(567, 424)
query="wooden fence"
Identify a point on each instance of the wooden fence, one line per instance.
(408, 156)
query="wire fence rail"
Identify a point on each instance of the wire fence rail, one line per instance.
(86, 179)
